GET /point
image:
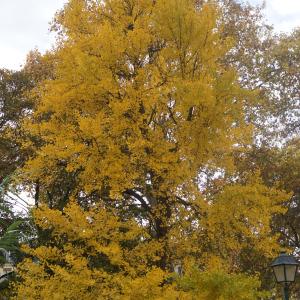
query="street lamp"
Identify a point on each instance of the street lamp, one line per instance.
(285, 269)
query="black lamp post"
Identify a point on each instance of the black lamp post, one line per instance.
(285, 268)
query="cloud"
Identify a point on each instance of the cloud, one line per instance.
(23, 26)
(284, 8)
(284, 15)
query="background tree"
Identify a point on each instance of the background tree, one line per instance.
(15, 105)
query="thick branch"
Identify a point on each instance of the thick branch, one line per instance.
(140, 199)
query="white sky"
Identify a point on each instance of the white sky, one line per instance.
(283, 14)
(24, 25)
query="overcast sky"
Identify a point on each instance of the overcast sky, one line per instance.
(24, 25)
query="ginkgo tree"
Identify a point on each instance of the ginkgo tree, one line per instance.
(140, 119)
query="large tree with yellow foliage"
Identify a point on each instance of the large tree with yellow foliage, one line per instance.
(137, 128)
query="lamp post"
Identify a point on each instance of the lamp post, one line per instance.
(285, 268)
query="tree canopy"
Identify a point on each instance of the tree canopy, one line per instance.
(150, 143)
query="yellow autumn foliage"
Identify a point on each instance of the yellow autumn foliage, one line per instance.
(92, 255)
(139, 107)
(139, 89)
(95, 255)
